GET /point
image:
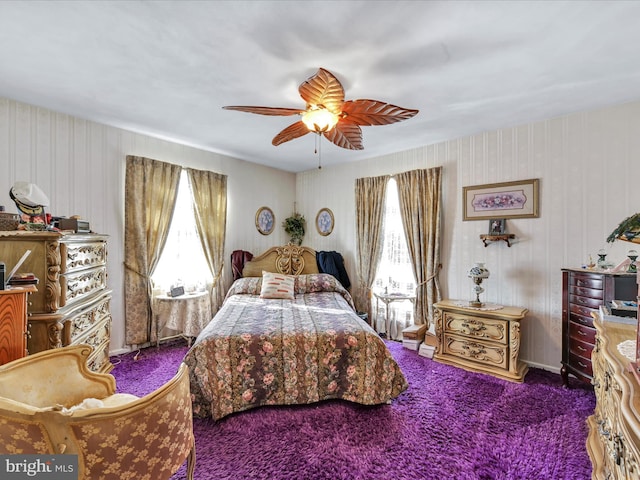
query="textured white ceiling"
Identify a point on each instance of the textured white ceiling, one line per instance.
(166, 68)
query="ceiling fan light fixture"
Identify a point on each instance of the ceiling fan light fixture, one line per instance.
(328, 114)
(319, 119)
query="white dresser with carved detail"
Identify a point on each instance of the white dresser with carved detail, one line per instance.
(71, 305)
(614, 428)
(480, 340)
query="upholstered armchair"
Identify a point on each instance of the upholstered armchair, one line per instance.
(123, 438)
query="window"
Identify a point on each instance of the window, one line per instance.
(394, 274)
(182, 262)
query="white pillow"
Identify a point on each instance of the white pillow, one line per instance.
(277, 285)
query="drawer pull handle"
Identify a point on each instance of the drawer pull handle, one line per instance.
(581, 348)
(473, 326)
(582, 365)
(580, 332)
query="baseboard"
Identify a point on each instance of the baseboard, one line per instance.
(120, 351)
(543, 367)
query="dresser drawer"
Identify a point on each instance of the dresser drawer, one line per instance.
(587, 292)
(97, 335)
(78, 286)
(98, 361)
(592, 303)
(481, 352)
(579, 348)
(581, 311)
(580, 364)
(476, 327)
(82, 255)
(582, 332)
(85, 320)
(586, 280)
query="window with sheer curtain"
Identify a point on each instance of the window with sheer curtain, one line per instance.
(394, 273)
(182, 262)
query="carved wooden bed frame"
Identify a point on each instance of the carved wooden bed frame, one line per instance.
(288, 259)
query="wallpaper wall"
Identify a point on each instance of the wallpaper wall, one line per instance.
(587, 164)
(80, 166)
(589, 169)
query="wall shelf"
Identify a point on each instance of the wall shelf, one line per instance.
(507, 237)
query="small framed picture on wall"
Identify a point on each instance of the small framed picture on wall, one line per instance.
(497, 226)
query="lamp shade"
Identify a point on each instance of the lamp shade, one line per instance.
(478, 271)
(319, 119)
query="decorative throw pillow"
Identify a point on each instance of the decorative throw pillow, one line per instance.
(277, 285)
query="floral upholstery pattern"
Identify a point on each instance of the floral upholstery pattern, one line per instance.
(281, 352)
(144, 439)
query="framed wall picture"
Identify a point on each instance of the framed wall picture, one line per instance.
(497, 226)
(504, 200)
(265, 220)
(324, 221)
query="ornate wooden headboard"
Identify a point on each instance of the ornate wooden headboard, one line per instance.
(289, 259)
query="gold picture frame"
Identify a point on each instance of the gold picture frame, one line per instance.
(324, 222)
(265, 220)
(518, 199)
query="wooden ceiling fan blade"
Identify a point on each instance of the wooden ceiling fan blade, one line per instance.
(325, 89)
(374, 112)
(293, 131)
(347, 136)
(267, 110)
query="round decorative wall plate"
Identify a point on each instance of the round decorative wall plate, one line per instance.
(265, 220)
(324, 221)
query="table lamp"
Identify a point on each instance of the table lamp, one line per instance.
(478, 273)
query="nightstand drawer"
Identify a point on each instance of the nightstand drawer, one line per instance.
(476, 327)
(480, 352)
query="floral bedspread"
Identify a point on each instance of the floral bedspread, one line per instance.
(281, 352)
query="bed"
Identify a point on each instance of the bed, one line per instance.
(306, 347)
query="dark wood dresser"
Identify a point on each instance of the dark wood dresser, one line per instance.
(583, 292)
(71, 304)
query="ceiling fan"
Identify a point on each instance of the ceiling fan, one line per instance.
(328, 114)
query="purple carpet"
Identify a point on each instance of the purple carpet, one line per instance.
(449, 424)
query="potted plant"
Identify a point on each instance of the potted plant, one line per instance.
(294, 226)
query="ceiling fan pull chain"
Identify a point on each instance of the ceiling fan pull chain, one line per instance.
(319, 150)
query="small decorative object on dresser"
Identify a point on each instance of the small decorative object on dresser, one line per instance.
(478, 273)
(633, 256)
(485, 340)
(613, 443)
(71, 305)
(583, 292)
